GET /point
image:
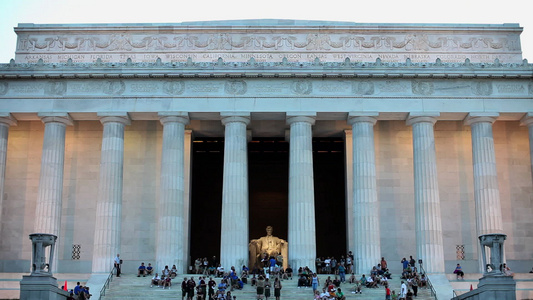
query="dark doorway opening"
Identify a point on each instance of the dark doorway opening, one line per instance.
(206, 197)
(268, 167)
(268, 172)
(330, 208)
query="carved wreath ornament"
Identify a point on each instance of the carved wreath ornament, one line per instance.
(235, 87)
(173, 87)
(302, 87)
(3, 88)
(56, 88)
(112, 87)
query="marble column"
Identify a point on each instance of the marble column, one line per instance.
(109, 201)
(367, 243)
(302, 233)
(171, 218)
(49, 200)
(486, 192)
(348, 157)
(234, 233)
(527, 120)
(428, 223)
(187, 157)
(6, 120)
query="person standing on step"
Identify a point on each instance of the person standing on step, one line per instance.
(267, 289)
(403, 291)
(277, 288)
(184, 288)
(314, 282)
(117, 263)
(260, 287)
(387, 293)
(212, 284)
(414, 285)
(190, 288)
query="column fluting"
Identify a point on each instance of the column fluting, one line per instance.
(527, 120)
(302, 232)
(49, 200)
(6, 120)
(367, 243)
(171, 218)
(486, 191)
(234, 227)
(348, 157)
(109, 203)
(428, 222)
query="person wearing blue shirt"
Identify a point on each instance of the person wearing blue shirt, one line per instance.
(149, 269)
(77, 289)
(405, 263)
(141, 270)
(272, 263)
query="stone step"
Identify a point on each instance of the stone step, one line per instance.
(133, 288)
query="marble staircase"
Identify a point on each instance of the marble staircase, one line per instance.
(135, 288)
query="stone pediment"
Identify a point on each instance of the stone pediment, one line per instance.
(267, 41)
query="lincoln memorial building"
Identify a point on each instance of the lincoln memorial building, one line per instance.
(170, 142)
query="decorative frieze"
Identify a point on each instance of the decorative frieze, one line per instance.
(268, 42)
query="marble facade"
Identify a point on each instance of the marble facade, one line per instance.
(97, 122)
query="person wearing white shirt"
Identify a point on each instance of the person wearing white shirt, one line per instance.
(117, 264)
(220, 270)
(403, 291)
(155, 280)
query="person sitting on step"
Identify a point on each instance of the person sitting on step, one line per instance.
(165, 272)
(173, 272)
(149, 269)
(155, 280)
(459, 272)
(141, 270)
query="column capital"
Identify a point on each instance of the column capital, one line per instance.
(417, 117)
(7, 119)
(174, 116)
(363, 116)
(477, 117)
(117, 117)
(348, 133)
(308, 117)
(56, 117)
(527, 119)
(229, 117)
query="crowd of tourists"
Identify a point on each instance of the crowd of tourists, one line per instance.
(267, 279)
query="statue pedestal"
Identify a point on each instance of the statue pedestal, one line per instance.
(41, 287)
(494, 287)
(497, 287)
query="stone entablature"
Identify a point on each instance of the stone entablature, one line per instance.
(345, 79)
(384, 87)
(266, 41)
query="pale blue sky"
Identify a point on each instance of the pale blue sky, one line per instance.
(13, 12)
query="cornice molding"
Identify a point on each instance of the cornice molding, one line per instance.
(252, 69)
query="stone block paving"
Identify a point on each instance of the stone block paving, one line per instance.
(132, 287)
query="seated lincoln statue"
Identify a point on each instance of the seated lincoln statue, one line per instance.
(269, 246)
